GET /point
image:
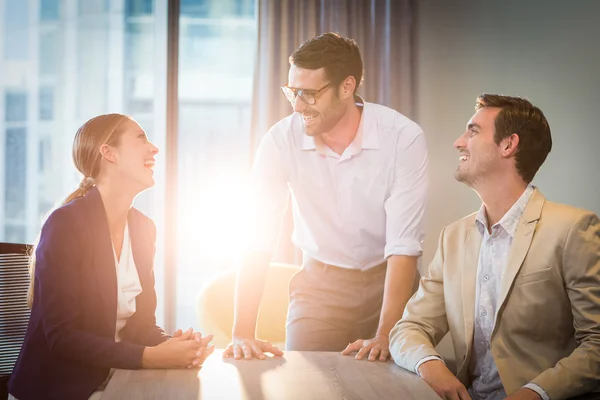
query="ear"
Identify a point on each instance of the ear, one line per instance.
(347, 87)
(509, 146)
(107, 152)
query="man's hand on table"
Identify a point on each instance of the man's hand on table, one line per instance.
(376, 348)
(248, 348)
(442, 381)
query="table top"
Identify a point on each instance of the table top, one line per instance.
(296, 375)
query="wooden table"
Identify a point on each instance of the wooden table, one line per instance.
(296, 375)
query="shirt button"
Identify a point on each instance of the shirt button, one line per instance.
(483, 313)
(489, 243)
(486, 278)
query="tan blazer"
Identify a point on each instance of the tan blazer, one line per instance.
(547, 327)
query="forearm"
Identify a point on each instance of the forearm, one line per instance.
(399, 282)
(250, 284)
(91, 349)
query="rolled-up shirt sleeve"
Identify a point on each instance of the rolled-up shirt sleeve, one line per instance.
(536, 388)
(424, 360)
(269, 192)
(405, 205)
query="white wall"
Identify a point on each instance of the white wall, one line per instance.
(545, 50)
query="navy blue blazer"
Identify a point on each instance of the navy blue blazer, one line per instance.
(69, 346)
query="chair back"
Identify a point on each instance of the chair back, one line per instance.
(215, 306)
(14, 312)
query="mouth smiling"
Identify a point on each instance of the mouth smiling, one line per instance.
(309, 118)
(149, 163)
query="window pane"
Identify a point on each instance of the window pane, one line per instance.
(15, 169)
(217, 45)
(92, 7)
(16, 29)
(45, 155)
(49, 10)
(16, 106)
(14, 234)
(139, 7)
(46, 103)
(218, 9)
(49, 50)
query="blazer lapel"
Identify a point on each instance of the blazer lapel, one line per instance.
(520, 246)
(469, 275)
(104, 258)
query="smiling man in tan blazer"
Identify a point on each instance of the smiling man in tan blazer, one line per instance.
(517, 283)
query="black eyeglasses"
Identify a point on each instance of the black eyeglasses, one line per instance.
(308, 96)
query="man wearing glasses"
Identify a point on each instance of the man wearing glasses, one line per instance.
(357, 175)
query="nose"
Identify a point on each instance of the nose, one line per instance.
(460, 142)
(153, 149)
(299, 105)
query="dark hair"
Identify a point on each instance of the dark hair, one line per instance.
(340, 56)
(519, 116)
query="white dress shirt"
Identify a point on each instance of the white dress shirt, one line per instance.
(128, 283)
(352, 210)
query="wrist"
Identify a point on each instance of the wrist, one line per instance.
(148, 357)
(428, 364)
(381, 336)
(243, 332)
(383, 332)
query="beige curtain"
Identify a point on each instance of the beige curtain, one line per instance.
(382, 28)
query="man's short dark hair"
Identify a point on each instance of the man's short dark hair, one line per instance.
(340, 56)
(519, 116)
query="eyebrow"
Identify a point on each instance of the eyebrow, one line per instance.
(298, 88)
(473, 125)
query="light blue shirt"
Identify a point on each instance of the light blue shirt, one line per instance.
(493, 257)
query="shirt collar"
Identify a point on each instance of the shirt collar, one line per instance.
(366, 135)
(510, 220)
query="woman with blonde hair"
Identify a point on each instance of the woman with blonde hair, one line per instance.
(92, 292)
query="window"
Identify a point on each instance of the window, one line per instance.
(139, 7)
(49, 10)
(13, 234)
(45, 155)
(217, 44)
(89, 57)
(16, 29)
(49, 52)
(93, 7)
(46, 103)
(15, 157)
(218, 9)
(16, 106)
(72, 71)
